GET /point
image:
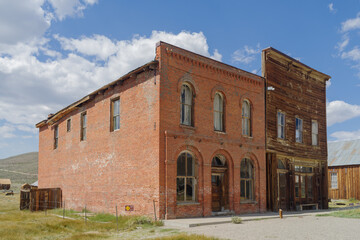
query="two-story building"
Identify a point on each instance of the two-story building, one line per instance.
(296, 140)
(184, 131)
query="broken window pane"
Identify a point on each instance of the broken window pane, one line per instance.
(180, 189)
(189, 189)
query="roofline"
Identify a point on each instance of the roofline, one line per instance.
(53, 118)
(297, 61)
(344, 165)
(216, 61)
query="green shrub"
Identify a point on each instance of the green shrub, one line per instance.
(236, 220)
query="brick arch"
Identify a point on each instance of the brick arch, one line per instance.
(220, 89)
(199, 161)
(257, 179)
(187, 79)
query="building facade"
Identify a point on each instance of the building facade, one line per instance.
(181, 136)
(296, 140)
(344, 169)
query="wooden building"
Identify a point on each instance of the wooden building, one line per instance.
(296, 141)
(344, 169)
(5, 184)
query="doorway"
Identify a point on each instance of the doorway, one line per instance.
(219, 184)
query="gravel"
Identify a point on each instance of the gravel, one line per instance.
(306, 227)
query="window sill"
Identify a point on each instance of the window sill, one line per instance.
(247, 136)
(187, 127)
(248, 202)
(220, 132)
(115, 130)
(187, 203)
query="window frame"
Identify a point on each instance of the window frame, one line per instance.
(68, 125)
(112, 116)
(332, 182)
(83, 127)
(246, 119)
(56, 136)
(193, 177)
(219, 113)
(299, 139)
(280, 126)
(250, 179)
(314, 133)
(184, 105)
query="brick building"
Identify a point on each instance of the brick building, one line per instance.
(184, 130)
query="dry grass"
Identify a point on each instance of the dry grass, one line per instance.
(16, 224)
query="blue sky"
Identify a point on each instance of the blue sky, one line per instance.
(53, 52)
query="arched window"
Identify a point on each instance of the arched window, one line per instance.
(246, 118)
(186, 105)
(246, 180)
(218, 112)
(185, 181)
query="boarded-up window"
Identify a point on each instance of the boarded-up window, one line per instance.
(68, 125)
(314, 132)
(56, 136)
(281, 125)
(246, 118)
(299, 130)
(218, 112)
(83, 122)
(186, 105)
(334, 180)
(185, 181)
(115, 115)
(246, 180)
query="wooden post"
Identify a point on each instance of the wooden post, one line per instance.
(64, 210)
(117, 220)
(85, 215)
(280, 213)
(154, 209)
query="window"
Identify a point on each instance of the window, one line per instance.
(281, 125)
(314, 132)
(83, 123)
(185, 181)
(246, 118)
(334, 180)
(299, 130)
(56, 136)
(115, 115)
(246, 180)
(68, 125)
(218, 112)
(186, 105)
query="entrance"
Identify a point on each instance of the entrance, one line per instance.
(219, 184)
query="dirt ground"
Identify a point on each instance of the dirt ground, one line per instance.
(307, 227)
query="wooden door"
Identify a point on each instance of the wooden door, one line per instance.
(283, 191)
(216, 192)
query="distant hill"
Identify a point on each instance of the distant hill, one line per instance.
(20, 169)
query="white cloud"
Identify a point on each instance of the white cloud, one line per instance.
(345, 41)
(64, 8)
(351, 24)
(353, 54)
(331, 8)
(22, 20)
(246, 55)
(346, 135)
(340, 111)
(6, 131)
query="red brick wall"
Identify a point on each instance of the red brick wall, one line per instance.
(109, 168)
(206, 77)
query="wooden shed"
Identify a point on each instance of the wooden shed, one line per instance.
(5, 183)
(344, 169)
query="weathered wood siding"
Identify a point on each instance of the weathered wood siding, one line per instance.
(348, 182)
(297, 95)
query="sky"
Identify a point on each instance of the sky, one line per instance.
(54, 52)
